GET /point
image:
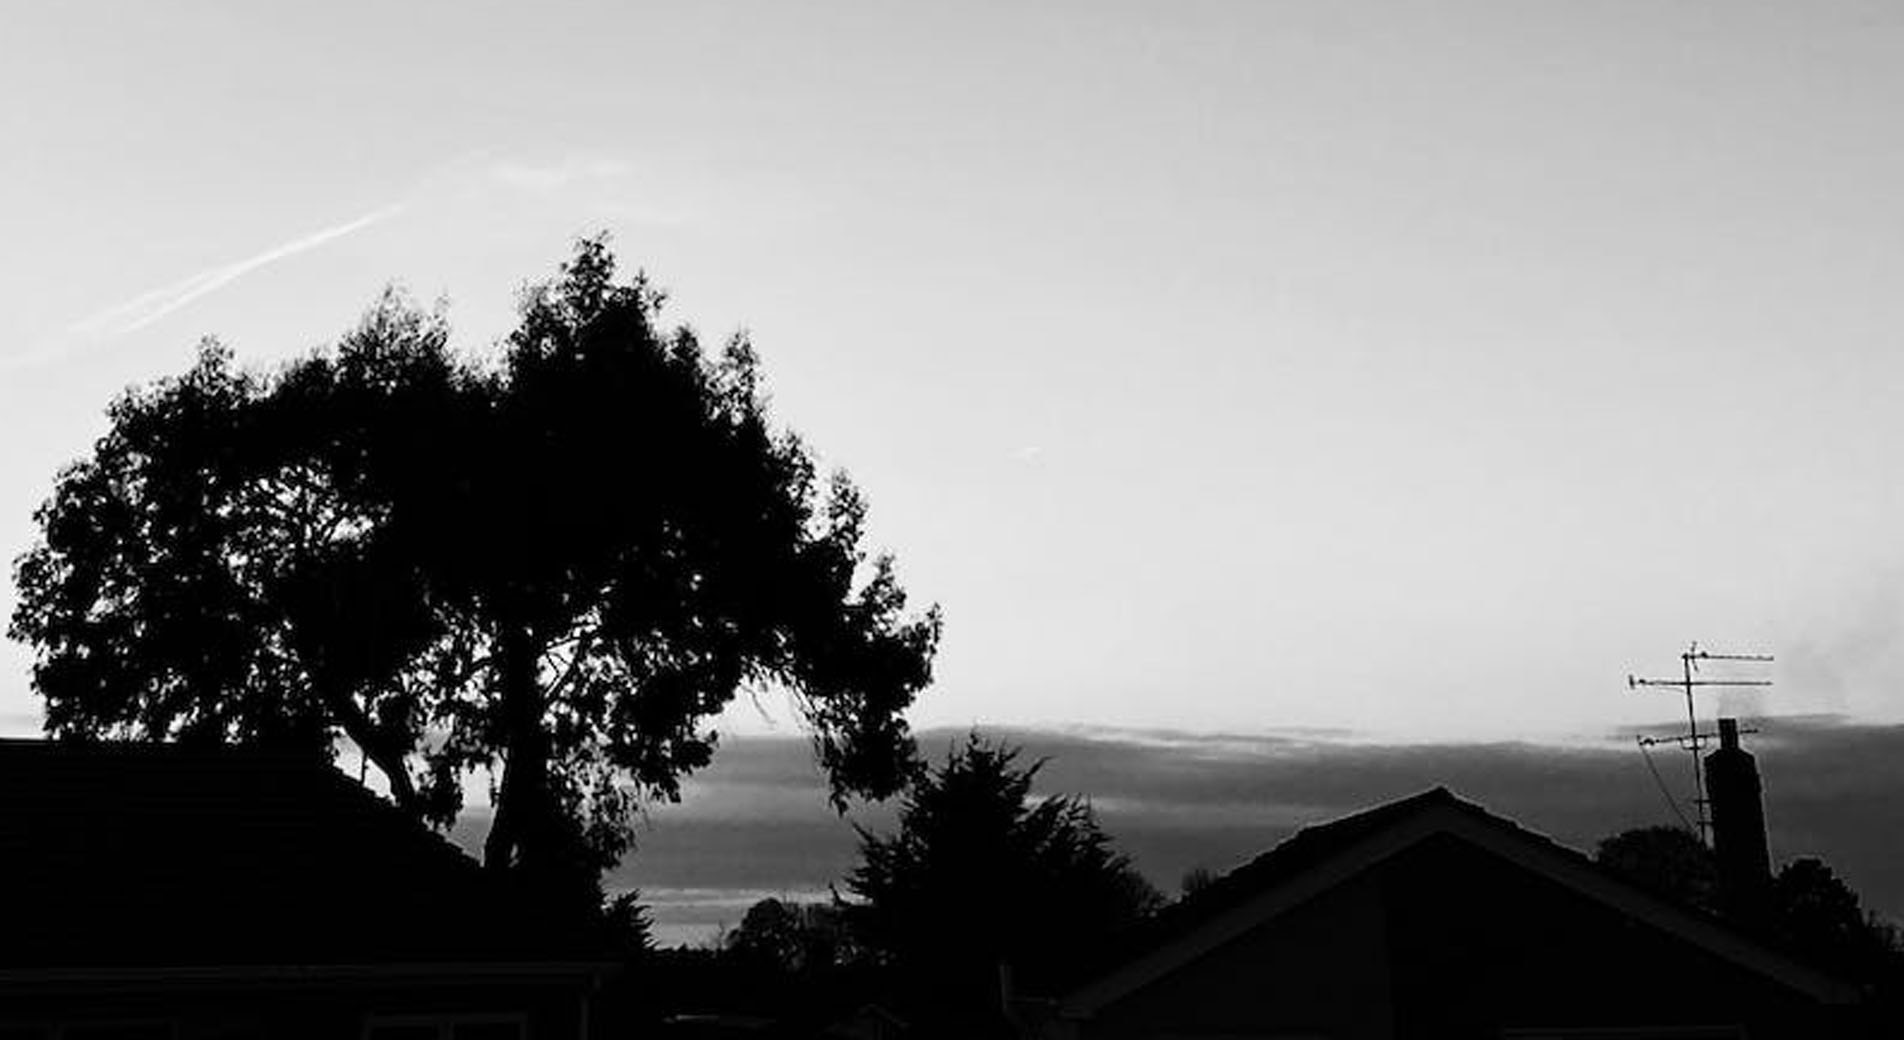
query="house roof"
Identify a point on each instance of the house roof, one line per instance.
(142, 856)
(1319, 857)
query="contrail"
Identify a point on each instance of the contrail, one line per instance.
(145, 309)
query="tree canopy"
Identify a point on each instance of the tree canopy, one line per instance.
(1821, 915)
(981, 872)
(793, 938)
(1806, 906)
(1671, 861)
(555, 566)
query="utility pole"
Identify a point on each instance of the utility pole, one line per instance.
(1692, 741)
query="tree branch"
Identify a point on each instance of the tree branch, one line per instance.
(377, 746)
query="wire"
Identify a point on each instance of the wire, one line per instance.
(1671, 802)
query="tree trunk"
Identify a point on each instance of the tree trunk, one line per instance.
(521, 797)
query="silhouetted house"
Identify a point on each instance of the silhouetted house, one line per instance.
(155, 891)
(1430, 917)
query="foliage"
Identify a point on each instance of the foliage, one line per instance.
(792, 938)
(1820, 915)
(629, 925)
(980, 871)
(1671, 861)
(1806, 906)
(553, 567)
(1195, 880)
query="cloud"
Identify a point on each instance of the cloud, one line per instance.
(757, 820)
(472, 179)
(544, 178)
(595, 186)
(143, 310)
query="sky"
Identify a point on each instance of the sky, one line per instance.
(1410, 373)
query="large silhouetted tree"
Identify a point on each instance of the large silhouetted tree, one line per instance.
(553, 566)
(981, 872)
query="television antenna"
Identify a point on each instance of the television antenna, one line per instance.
(1693, 741)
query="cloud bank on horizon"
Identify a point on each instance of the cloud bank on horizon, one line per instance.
(756, 823)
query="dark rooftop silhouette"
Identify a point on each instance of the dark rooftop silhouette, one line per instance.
(1312, 845)
(163, 856)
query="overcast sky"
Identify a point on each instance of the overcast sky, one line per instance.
(1414, 370)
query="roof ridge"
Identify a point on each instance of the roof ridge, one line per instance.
(395, 815)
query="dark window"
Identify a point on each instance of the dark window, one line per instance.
(488, 1031)
(406, 1031)
(447, 1027)
(1626, 1033)
(118, 1031)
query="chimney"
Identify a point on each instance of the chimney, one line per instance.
(1738, 821)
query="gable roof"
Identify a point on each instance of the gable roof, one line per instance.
(1320, 857)
(141, 856)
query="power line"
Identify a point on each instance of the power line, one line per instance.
(1646, 752)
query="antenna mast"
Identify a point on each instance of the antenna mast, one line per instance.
(1693, 741)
